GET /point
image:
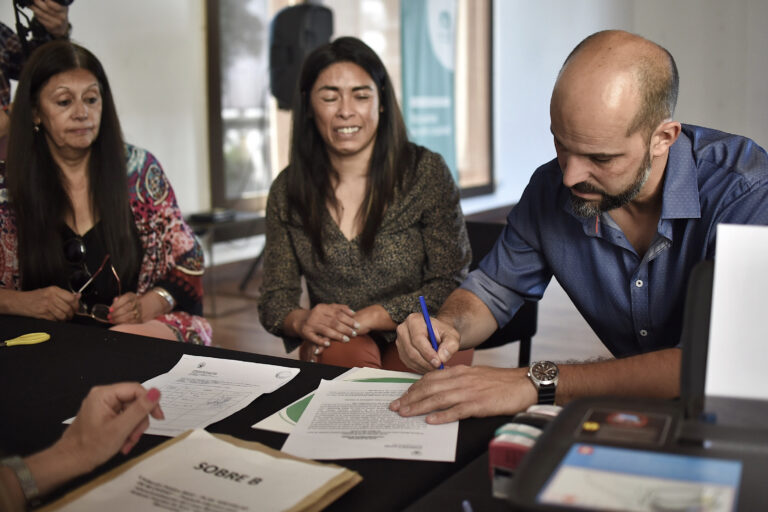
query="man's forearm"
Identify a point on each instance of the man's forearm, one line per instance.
(470, 316)
(654, 375)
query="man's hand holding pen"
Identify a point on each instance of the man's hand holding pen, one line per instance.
(415, 348)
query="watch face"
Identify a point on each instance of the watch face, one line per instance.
(544, 371)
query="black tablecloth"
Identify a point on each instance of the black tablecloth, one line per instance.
(42, 385)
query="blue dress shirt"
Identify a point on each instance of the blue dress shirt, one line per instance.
(634, 304)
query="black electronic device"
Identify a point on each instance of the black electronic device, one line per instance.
(613, 453)
(295, 32)
(31, 27)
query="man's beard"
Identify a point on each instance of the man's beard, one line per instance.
(585, 208)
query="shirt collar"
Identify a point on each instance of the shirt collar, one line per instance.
(681, 188)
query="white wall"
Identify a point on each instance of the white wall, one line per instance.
(154, 54)
(720, 49)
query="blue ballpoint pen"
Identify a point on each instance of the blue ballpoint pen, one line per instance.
(429, 326)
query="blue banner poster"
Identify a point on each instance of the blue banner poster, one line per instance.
(428, 30)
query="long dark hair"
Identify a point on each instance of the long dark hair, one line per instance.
(36, 191)
(309, 186)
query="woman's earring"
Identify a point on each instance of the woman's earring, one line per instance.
(36, 128)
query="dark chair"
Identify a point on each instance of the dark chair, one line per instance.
(522, 327)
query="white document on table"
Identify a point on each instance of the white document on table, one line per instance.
(352, 420)
(737, 357)
(286, 418)
(200, 390)
(203, 473)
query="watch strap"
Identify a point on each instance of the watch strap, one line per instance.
(24, 475)
(546, 394)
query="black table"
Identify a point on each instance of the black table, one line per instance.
(471, 484)
(44, 384)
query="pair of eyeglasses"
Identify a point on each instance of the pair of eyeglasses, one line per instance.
(98, 312)
(74, 252)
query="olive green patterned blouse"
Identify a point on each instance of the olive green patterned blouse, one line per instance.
(421, 249)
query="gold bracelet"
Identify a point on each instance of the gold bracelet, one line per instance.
(162, 292)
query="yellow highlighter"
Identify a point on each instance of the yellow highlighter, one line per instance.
(27, 339)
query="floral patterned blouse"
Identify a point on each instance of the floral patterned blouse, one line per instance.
(421, 248)
(172, 256)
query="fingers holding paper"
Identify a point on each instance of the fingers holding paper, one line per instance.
(462, 392)
(415, 349)
(111, 419)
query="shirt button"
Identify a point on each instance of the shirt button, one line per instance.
(643, 332)
(639, 283)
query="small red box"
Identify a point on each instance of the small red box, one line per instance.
(504, 455)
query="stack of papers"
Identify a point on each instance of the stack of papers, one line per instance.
(349, 418)
(352, 420)
(201, 472)
(285, 419)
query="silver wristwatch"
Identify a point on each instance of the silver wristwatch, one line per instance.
(544, 375)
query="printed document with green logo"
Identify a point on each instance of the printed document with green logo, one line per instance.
(285, 419)
(352, 420)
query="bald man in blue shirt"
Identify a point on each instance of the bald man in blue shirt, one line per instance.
(620, 217)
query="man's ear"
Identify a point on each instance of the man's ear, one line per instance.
(664, 136)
